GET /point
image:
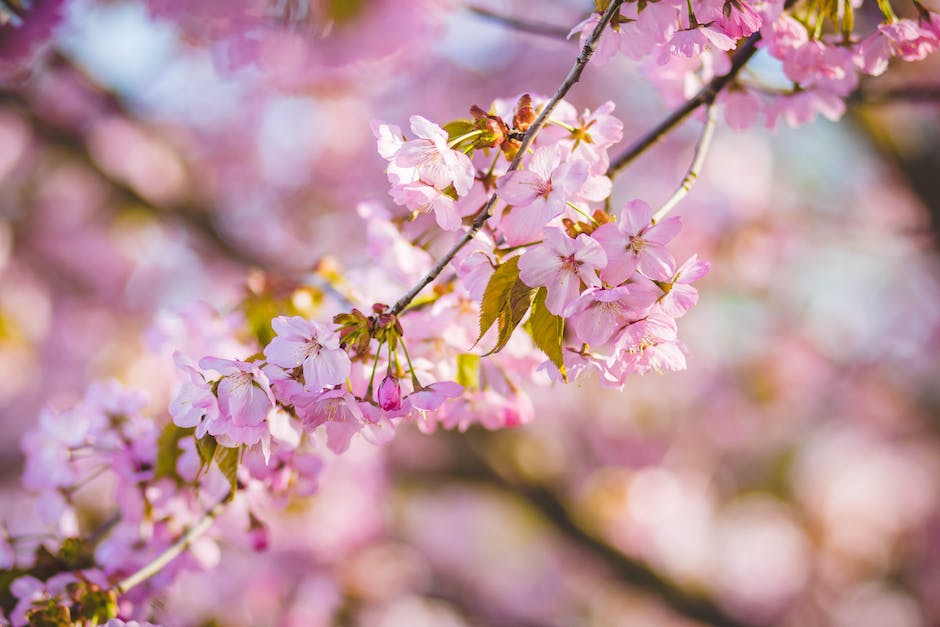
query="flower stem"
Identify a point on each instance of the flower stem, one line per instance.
(581, 211)
(411, 369)
(463, 137)
(574, 74)
(156, 565)
(375, 364)
(701, 150)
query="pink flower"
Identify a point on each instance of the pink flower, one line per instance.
(599, 313)
(655, 24)
(784, 35)
(388, 394)
(22, 39)
(561, 264)
(741, 20)
(648, 344)
(692, 42)
(680, 295)
(311, 344)
(194, 404)
(594, 132)
(474, 266)
(421, 198)
(258, 534)
(47, 455)
(490, 409)
(741, 107)
(423, 401)
(337, 410)
(802, 107)
(540, 192)
(635, 243)
(431, 397)
(245, 399)
(436, 163)
(607, 45)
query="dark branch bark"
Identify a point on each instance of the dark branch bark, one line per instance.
(705, 96)
(472, 467)
(574, 74)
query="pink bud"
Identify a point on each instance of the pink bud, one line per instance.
(258, 534)
(389, 394)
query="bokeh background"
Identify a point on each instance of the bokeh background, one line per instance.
(791, 476)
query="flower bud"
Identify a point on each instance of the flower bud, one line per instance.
(258, 534)
(389, 394)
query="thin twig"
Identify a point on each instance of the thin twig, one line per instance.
(574, 74)
(901, 93)
(156, 565)
(701, 150)
(705, 96)
(544, 29)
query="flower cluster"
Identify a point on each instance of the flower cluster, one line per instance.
(541, 281)
(685, 44)
(592, 289)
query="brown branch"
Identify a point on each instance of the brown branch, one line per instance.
(73, 142)
(705, 96)
(574, 74)
(698, 160)
(897, 94)
(472, 467)
(543, 29)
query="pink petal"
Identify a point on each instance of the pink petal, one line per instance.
(326, 368)
(286, 353)
(635, 216)
(520, 188)
(656, 262)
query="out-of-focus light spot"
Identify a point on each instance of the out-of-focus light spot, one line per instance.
(6, 244)
(761, 557)
(741, 152)
(119, 43)
(144, 162)
(873, 606)
(864, 492)
(14, 138)
(383, 572)
(488, 49)
(419, 612)
(289, 139)
(654, 496)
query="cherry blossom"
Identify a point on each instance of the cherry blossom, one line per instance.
(309, 344)
(634, 242)
(560, 264)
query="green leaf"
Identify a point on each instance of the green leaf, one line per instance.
(227, 460)
(468, 371)
(513, 311)
(168, 452)
(206, 447)
(97, 606)
(496, 294)
(458, 128)
(548, 331)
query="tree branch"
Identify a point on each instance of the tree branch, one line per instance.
(705, 96)
(574, 74)
(472, 467)
(701, 150)
(196, 217)
(543, 29)
(897, 94)
(156, 565)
